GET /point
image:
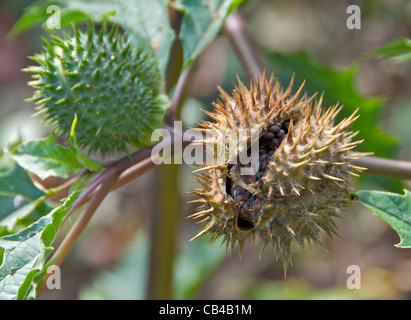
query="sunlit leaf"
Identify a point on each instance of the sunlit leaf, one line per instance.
(70, 11)
(25, 252)
(395, 209)
(46, 158)
(146, 21)
(202, 21)
(19, 197)
(398, 51)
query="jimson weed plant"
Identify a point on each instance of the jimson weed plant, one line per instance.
(281, 160)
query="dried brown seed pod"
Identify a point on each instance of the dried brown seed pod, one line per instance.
(303, 174)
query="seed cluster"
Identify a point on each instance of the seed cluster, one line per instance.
(243, 199)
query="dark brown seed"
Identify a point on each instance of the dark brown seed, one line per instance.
(268, 136)
(274, 129)
(275, 143)
(280, 134)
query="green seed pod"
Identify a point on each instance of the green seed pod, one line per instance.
(104, 79)
(303, 176)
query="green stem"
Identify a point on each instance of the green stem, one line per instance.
(173, 112)
(63, 188)
(83, 220)
(163, 238)
(164, 221)
(80, 224)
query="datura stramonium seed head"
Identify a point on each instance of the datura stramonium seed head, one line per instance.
(302, 173)
(103, 78)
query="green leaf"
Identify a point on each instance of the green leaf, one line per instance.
(147, 22)
(70, 11)
(337, 87)
(46, 158)
(19, 197)
(86, 161)
(398, 51)
(34, 15)
(96, 10)
(25, 252)
(202, 22)
(395, 209)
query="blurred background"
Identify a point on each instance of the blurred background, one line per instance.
(112, 258)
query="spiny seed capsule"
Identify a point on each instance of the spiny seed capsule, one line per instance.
(104, 79)
(301, 176)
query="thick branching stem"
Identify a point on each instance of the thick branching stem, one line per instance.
(84, 219)
(164, 233)
(81, 223)
(179, 91)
